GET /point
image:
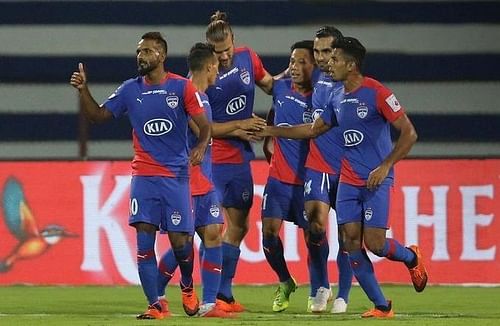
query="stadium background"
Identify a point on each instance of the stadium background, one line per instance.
(442, 59)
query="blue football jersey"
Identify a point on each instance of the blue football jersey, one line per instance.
(232, 98)
(159, 118)
(290, 108)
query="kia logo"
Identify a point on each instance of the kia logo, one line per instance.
(352, 137)
(236, 105)
(157, 127)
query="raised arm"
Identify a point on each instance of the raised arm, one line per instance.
(92, 111)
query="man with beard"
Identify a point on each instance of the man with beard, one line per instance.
(158, 105)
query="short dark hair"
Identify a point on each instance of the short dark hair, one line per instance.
(156, 36)
(199, 54)
(353, 48)
(218, 29)
(327, 31)
(305, 44)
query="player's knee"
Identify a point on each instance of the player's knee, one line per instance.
(316, 226)
(375, 246)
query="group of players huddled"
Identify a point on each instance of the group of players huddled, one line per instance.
(326, 138)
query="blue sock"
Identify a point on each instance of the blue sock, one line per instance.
(318, 254)
(230, 256)
(211, 268)
(146, 264)
(313, 276)
(363, 270)
(345, 273)
(166, 266)
(184, 257)
(273, 250)
(393, 250)
(201, 252)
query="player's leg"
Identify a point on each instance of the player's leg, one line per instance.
(317, 207)
(349, 208)
(145, 217)
(376, 217)
(276, 204)
(343, 264)
(179, 224)
(208, 222)
(237, 198)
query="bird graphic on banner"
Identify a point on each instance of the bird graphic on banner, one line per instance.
(22, 224)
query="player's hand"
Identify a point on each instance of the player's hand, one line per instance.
(377, 176)
(265, 132)
(79, 78)
(254, 123)
(196, 155)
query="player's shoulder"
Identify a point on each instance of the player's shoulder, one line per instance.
(176, 77)
(282, 85)
(243, 49)
(373, 84)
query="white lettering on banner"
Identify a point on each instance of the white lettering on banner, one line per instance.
(98, 219)
(471, 220)
(413, 219)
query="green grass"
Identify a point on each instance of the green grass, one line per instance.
(437, 305)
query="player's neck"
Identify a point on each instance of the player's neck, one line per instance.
(156, 76)
(200, 82)
(303, 88)
(352, 82)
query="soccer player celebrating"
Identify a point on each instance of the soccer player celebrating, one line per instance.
(365, 110)
(231, 99)
(283, 197)
(158, 105)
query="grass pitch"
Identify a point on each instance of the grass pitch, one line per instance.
(52, 305)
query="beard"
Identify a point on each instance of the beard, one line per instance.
(145, 68)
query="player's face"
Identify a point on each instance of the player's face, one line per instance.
(149, 56)
(213, 70)
(323, 51)
(301, 67)
(338, 65)
(224, 51)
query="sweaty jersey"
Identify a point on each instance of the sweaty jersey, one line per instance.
(364, 118)
(326, 150)
(200, 178)
(232, 98)
(290, 108)
(159, 118)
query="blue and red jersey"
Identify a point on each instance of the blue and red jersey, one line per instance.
(200, 178)
(290, 108)
(159, 118)
(232, 98)
(326, 150)
(364, 117)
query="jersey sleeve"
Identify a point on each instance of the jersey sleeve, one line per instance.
(116, 102)
(258, 68)
(192, 100)
(388, 105)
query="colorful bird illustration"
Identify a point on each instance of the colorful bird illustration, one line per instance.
(22, 224)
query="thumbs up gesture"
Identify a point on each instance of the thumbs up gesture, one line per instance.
(79, 78)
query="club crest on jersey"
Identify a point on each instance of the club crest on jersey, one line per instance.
(368, 214)
(236, 105)
(157, 127)
(176, 218)
(245, 77)
(316, 114)
(307, 117)
(352, 137)
(172, 101)
(214, 211)
(362, 111)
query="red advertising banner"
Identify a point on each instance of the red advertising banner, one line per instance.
(66, 223)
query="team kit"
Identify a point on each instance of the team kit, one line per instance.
(328, 143)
